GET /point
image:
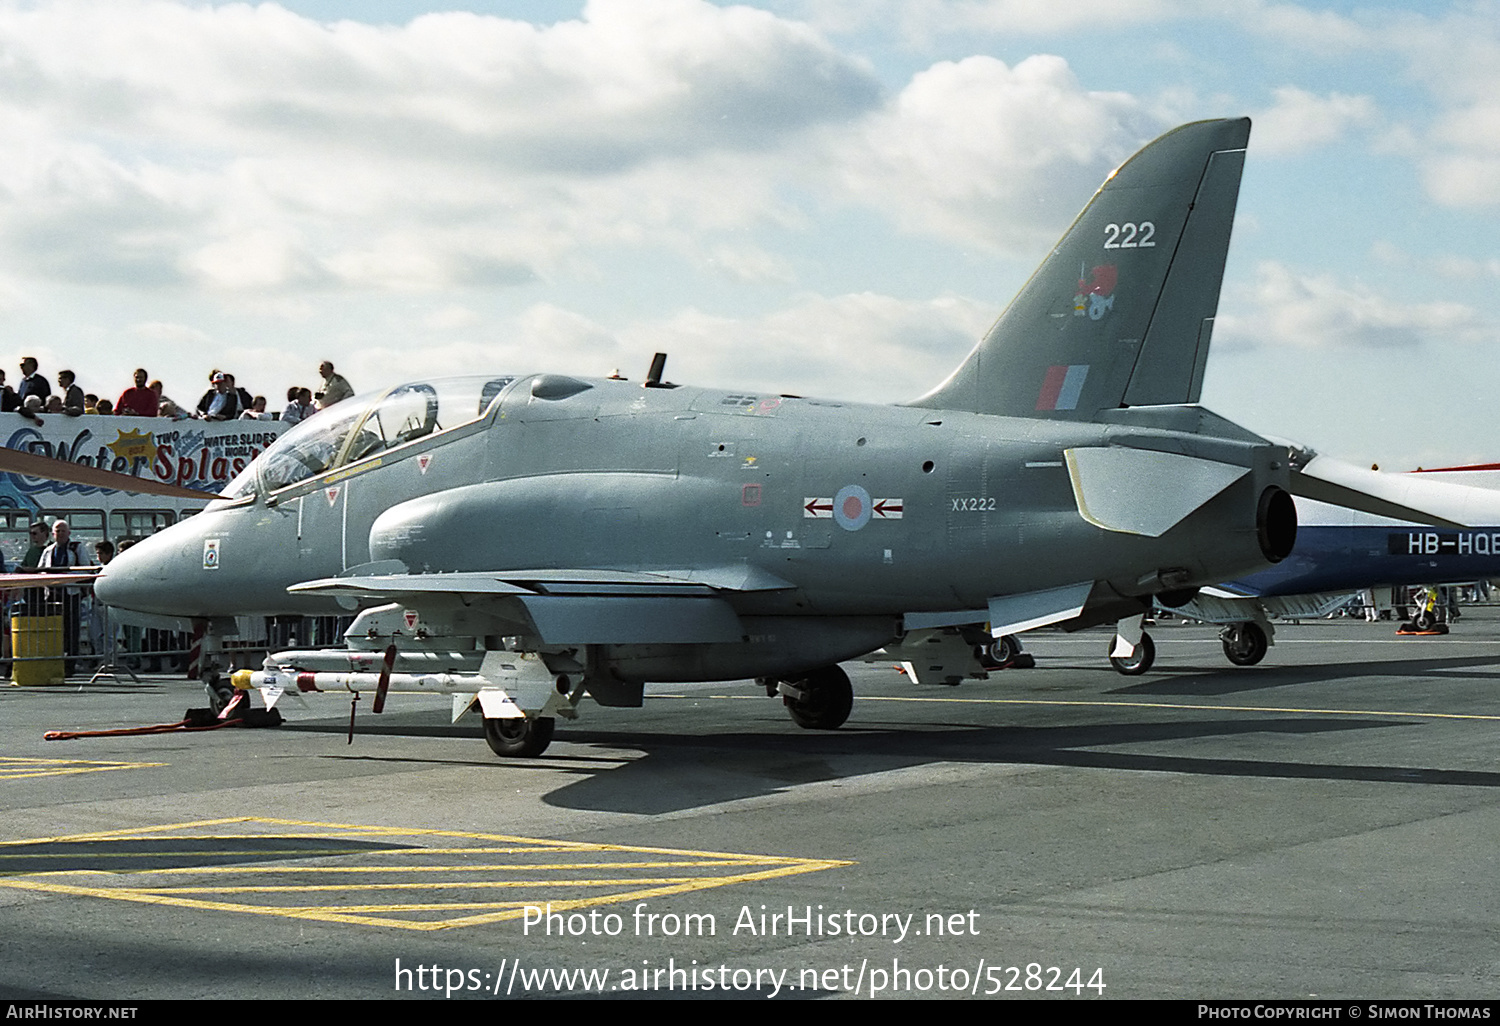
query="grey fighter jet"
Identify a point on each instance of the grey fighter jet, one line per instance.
(522, 542)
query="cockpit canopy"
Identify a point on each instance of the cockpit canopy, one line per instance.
(365, 425)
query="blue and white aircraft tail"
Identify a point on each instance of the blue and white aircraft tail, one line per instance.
(1340, 551)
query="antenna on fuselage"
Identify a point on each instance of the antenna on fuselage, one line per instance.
(653, 376)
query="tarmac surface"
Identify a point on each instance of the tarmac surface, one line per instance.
(1323, 825)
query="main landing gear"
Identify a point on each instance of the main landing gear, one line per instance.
(522, 737)
(1245, 644)
(1004, 653)
(819, 700)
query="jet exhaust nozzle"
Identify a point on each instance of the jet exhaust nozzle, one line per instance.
(1276, 524)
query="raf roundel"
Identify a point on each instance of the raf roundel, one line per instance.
(851, 507)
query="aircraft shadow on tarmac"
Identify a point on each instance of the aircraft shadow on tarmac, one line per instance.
(684, 771)
(680, 773)
(1216, 680)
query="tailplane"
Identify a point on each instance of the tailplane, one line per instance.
(1120, 312)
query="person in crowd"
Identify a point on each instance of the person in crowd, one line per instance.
(257, 410)
(32, 383)
(37, 534)
(335, 387)
(90, 403)
(54, 403)
(298, 405)
(214, 377)
(32, 601)
(70, 394)
(105, 407)
(220, 402)
(244, 397)
(101, 627)
(9, 401)
(161, 399)
(139, 400)
(64, 553)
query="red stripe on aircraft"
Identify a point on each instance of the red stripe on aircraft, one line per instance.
(1443, 470)
(1051, 385)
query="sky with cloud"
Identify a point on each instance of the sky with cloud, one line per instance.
(826, 197)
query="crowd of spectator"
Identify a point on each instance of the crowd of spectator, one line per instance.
(52, 547)
(224, 400)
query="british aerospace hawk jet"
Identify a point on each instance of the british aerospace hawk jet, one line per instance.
(522, 542)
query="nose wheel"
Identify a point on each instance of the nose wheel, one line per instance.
(1139, 661)
(520, 737)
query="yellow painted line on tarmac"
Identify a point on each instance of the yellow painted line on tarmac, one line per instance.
(416, 886)
(636, 876)
(491, 868)
(20, 768)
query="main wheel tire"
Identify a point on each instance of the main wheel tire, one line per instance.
(519, 738)
(1139, 661)
(999, 653)
(1245, 644)
(825, 702)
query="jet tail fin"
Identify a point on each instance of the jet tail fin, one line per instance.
(1120, 312)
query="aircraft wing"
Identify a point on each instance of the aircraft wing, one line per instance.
(30, 464)
(1400, 496)
(572, 606)
(15, 582)
(1213, 605)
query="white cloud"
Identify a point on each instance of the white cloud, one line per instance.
(1457, 56)
(858, 347)
(968, 148)
(167, 331)
(1326, 33)
(1287, 310)
(750, 264)
(240, 148)
(922, 20)
(1301, 120)
(244, 149)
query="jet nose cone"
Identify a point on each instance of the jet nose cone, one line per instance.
(136, 579)
(122, 587)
